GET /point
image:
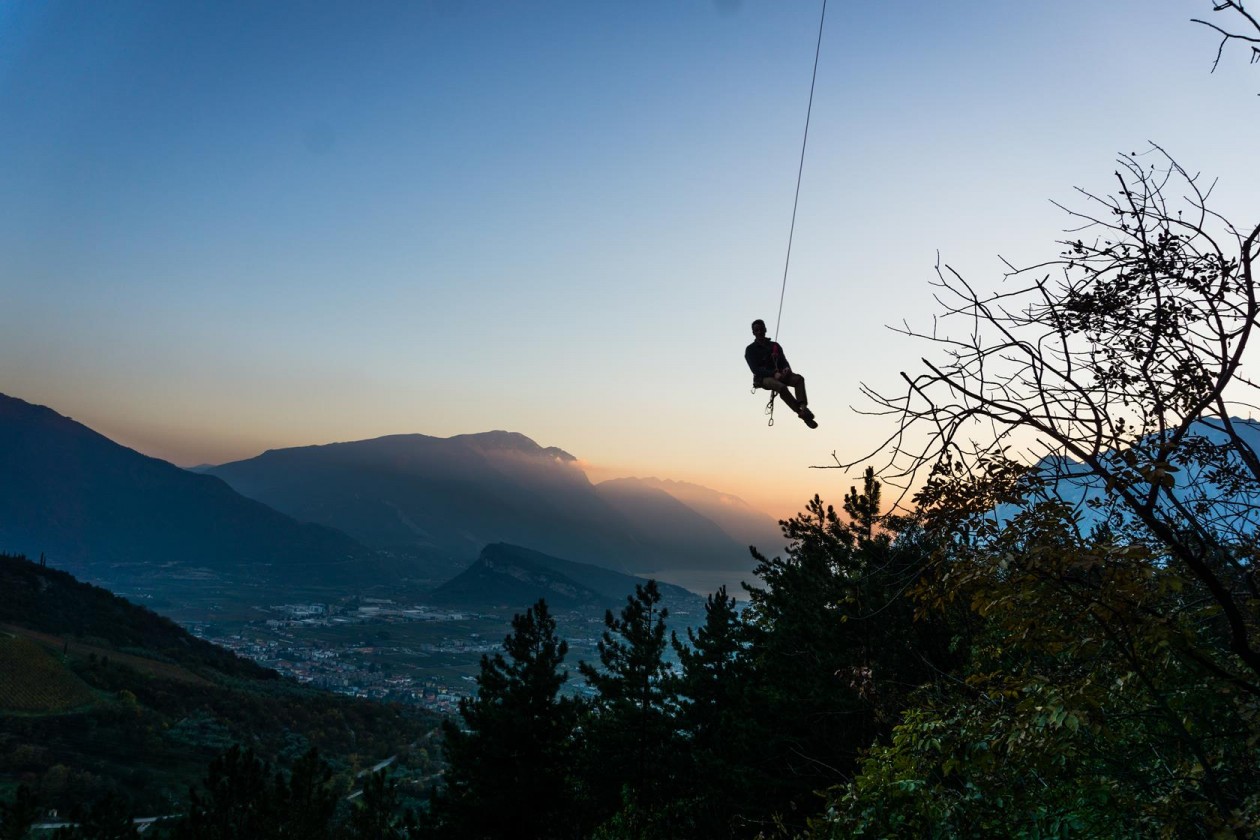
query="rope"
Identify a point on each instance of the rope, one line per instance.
(795, 202)
(799, 170)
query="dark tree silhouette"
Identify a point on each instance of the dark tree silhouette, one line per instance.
(719, 746)
(834, 651)
(631, 743)
(17, 817)
(237, 801)
(375, 815)
(1245, 28)
(1117, 365)
(509, 762)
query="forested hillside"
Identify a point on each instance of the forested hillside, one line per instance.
(103, 698)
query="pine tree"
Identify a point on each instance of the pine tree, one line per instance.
(719, 747)
(508, 764)
(834, 649)
(631, 741)
(863, 508)
(710, 669)
(307, 799)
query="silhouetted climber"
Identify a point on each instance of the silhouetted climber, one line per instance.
(770, 370)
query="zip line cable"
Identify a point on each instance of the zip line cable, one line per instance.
(800, 169)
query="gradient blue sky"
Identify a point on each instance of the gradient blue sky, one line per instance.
(232, 226)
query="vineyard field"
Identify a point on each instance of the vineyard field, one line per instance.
(32, 680)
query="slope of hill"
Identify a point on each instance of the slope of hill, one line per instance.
(668, 528)
(111, 514)
(53, 602)
(508, 576)
(101, 696)
(33, 680)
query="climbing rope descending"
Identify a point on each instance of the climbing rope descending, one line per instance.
(800, 169)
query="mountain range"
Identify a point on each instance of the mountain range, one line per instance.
(389, 511)
(453, 496)
(1208, 481)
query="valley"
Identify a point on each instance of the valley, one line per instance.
(389, 650)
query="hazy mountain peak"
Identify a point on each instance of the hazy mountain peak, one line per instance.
(501, 441)
(685, 491)
(739, 520)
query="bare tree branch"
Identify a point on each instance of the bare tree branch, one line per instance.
(1227, 35)
(1116, 363)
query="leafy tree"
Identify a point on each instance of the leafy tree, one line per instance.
(375, 815)
(109, 818)
(1074, 714)
(833, 651)
(508, 764)
(1123, 553)
(17, 817)
(243, 797)
(630, 740)
(1096, 504)
(1120, 378)
(237, 801)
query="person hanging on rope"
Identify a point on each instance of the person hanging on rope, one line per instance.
(770, 370)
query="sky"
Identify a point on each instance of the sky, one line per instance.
(233, 226)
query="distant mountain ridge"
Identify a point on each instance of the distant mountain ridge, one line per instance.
(456, 495)
(740, 520)
(667, 527)
(1204, 467)
(505, 576)
(397, 510)
(109, 513)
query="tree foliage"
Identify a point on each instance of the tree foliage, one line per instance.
(1095, 502)
(629, 738)
(17, 817)
(509, 761)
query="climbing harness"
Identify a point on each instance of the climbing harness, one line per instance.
(774, 355)
(796, 200)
